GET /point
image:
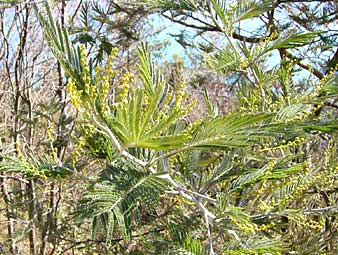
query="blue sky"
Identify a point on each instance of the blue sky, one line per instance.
(175, 48)
(170, 28)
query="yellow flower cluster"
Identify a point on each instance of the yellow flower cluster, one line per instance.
(246, 227)
(322, 83)
(299, 190)
(28, 168)
(265, 227)
(74, 94)
(191, 127)
(109, 73)
(78, 150)
(262, 206)
(244, 63)
(263, 43)
(249, 227)
(126, 80)
(283, 145)
(89, 87)
(83, 59)
(168, 98)
(108, 69)
(264, 185)
(230, 16)
(304, 222)
(189, 107)
(180, 94)
(85, 94)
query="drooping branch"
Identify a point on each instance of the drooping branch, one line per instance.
(299, 62)
(213, 28)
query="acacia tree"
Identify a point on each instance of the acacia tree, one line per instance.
(249, 175)
(258, 180)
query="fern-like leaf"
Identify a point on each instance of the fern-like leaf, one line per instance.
(118, 196)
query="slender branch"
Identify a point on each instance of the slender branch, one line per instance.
(10, 222)
(108, 132)
(191, 192)
(211, 28)
(199, 195)
(206, 218)
(205, 28)
(222, 29)
(333, 208)
(190, 198)
(127, 155)
(332, 105)
(307, 67)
